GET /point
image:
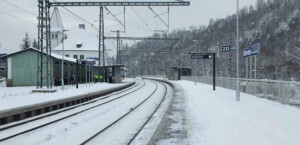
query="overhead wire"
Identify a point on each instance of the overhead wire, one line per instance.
(70, 16)
(82, 20)
(87, 22)
(18, 18)
(141, 19)
(11, 4)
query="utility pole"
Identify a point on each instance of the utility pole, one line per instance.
(237, 54)
(214, 71)
(195, 62)
(44, 67)
(120, 55)
(101, 43)
(118, 58)
(62, 60)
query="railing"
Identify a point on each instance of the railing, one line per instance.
(286, 92)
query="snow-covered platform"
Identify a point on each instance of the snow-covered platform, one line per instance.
(20, 100)
(216, 118)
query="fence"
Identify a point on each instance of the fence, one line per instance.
(286, 92)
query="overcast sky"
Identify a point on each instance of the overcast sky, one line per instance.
(14, 22)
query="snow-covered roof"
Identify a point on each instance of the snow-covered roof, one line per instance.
(56, 22)
(52, 54)
(65, 58)
(87, 40)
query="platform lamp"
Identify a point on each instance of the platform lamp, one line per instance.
(237, 54)
(195, 42)
(62, 59)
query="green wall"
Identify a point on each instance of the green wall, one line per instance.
(24, 68)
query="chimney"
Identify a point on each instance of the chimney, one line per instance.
(82, 26)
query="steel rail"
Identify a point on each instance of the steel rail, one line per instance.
(64, 110)
(70, 115)
(120, 118)
(150, 117)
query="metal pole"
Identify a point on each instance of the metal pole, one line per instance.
(246, 68)
(89, 75)
(100, 39)
(255, 67)
(118, 45)
(251, 67)
(120, 55)
(214, 71)
(76, 77)
(181, 71)
(62, 64)
(62, 61)
(92, 74)
(86, 75)
(255, 74)
(195, 73)
(237, 54)
(195, 62)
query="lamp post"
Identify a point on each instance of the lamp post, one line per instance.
(237, 54)
(62, 60)
(195, 41)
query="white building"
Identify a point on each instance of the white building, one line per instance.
(56, 29)
(78, 44)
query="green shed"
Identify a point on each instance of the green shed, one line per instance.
(22, 68)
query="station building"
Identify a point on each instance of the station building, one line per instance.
(78, 44)
(175, 73)
(22, 68)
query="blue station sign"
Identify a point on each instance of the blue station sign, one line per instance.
(252, 50)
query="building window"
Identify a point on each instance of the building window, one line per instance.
(55, 36)
(52, 36)
(79, 44)
(75, 56)
(81, 56)
(67, 55)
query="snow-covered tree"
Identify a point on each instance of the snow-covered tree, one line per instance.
(34, 44)
(272, 23)
(26, 42)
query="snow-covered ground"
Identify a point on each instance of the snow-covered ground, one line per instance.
(215, 118)
(13, 97)
(77, 128)
(2, 82)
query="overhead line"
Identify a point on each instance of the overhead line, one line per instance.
(19, 8)
(71, 16)
(116, 19)
(92, 25)
(16, 17)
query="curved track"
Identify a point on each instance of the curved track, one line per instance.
(123, 105)
(129, 112)
(127, 91)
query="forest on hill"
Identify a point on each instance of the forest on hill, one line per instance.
(275, 24)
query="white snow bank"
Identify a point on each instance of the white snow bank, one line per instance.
(2, 82)
(215, 118)
(13, 97)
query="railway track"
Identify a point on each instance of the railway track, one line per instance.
(130, 90)
(129, 112)
(92, 108)
(15, 124)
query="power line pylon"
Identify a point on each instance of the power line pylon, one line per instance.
(44, 67)
(44, 64)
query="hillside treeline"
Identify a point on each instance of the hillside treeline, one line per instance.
(275, 24)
